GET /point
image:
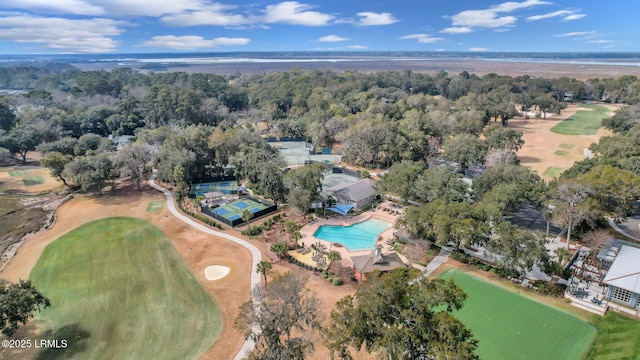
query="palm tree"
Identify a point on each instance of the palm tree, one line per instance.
(280, 249)
(296, 236)
(262, 268)
(334, 255)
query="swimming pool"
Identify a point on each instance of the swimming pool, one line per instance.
(360, 236)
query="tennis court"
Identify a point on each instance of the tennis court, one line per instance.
(225, 187)
(233, 211)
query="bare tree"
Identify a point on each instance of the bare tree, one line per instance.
(596, 239)
(281, 323)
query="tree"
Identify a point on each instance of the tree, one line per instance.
(499, 137)
(334, 255)
(615, 189)
(132, 160)
(517, 250)
(20, 140)
(262, 268)
(401, 179)
(401, 317)
(464, 149)
(441, 183)
(280, 249)
(90, 172)
(303, 185)
(56, 162)
(18, 303)
(572, 203)
(284, 316)
(7, 116)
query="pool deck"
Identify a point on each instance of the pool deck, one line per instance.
(379, 213)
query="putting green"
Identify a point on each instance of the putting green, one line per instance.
(22, 172)
(155, 206)
(511, 326)
(552, 172)
(33, 180)
(583, 122)
(562, 152)
(567, 146)
(120, 290)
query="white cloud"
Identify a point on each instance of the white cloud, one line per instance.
(600, 41)
(368, 18)
(153, 8)
(478, 49)
(191, 42)
(332, 38)
(356, 47)
(73, 7)
(294, 13)
(574, 17)
(65, 35)
(421, 38)
(490, 18)
(214, 14)
(457, 30)
(577, 33)
(550, 15)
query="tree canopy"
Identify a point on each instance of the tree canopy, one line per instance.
(19, 302)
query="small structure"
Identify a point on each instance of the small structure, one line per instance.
(376, 260)
(360, 194)
(623, 278)
(121, 141)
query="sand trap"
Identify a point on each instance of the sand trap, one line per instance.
(216, 272)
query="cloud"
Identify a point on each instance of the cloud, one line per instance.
(477, 49)
(490, 18)
(332, 38)
(73, 7)
(577, 33)
(600, 41)
(191, 42)
(574, 17)
(215, 14)
(421, 38)
(457, 30)
(356, 47)
(368, 18)
(64, 35)
(550, 15)
(294, 13)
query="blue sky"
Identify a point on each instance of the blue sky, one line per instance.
(138, 26)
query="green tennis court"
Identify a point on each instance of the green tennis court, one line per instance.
(225, 187)
(511, 326)
(234, 210)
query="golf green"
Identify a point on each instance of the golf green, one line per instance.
(511, 326)
(120, 290)
(583, 122)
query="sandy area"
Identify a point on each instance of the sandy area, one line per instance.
(198, 249)
(216, 272)
(540, 144)
(10, 183)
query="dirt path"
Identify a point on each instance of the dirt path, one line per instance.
(540, 144)
(198, 249)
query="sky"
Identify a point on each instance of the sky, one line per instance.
(148, 26)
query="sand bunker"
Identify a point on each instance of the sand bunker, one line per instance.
(216, 272)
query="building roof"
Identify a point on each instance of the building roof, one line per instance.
(354, 191)
(625, 270)
(213, 195)
(376, 260)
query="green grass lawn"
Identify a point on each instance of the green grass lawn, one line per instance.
(562, 152)
(155, 206)
(511, 326)
(618, 338)
(567, 146)
(33, 180)
(583, 122)
(120, 290)
(21, 172)
(552, 172)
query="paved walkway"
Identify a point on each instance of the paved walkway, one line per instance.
(618, 229)
(255, 253)
(440, 259)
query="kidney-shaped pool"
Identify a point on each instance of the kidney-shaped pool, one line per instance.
(360, 236)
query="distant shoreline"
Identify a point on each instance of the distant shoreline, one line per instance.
(581, 66)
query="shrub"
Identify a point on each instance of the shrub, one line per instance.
(460, 256)
(551, 288)
(336, 281)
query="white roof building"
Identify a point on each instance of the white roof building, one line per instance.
(623, 277)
